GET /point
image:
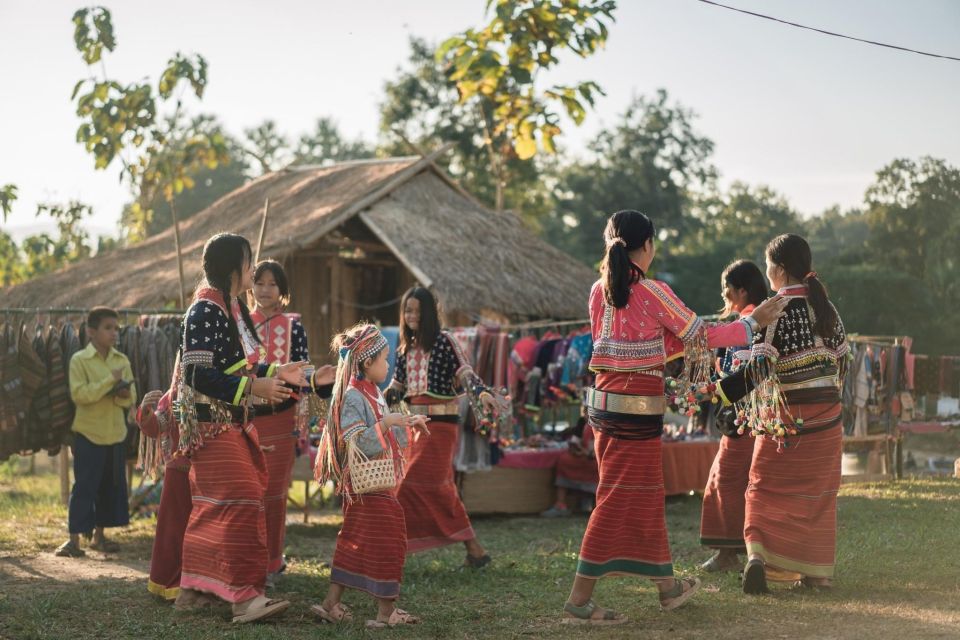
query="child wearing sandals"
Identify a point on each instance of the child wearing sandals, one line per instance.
(372, 542)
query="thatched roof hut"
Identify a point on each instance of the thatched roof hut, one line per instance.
(352, 236)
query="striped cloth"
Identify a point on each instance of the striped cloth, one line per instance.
(172, 518)
(627, 531)
(434, 512)
(225, 545)
(371, 546)
(724, 499)
(277, 431)
(578, 472)
(791, 506)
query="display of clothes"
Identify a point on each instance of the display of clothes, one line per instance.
(36, 412)
(35, 408)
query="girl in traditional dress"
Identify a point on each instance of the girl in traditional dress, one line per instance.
(371, 545)
(789, 397)
(279, 426)
(635, 322)
(721, 519)
(432, 375)
(225, 544)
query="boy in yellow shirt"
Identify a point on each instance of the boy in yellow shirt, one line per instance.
(101, 386)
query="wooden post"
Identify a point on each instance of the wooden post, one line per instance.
(64, 474)
(263, 229)
(176, 240)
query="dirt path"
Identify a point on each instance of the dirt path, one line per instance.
(69, 571)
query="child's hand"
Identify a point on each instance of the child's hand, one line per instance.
(418, 423)
(150, 401)
(324, 375)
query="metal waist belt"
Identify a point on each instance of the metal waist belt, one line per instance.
(619, 403)
(445, 409)
(816, 383)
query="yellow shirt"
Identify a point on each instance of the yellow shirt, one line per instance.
(100, 414)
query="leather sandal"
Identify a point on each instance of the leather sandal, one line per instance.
(755, 577)
(682, 591)
(334, 615)
(586, 614)
(397, 617)
(258, 608)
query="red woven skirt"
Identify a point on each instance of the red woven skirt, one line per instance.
(432, 506)
(277, 431)
(791, 510)
(724, 499)
(627, 531)
(225, 545)
(371, 546)
(172, 518)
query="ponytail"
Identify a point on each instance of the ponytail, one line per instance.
(825, 324)
(626, 231)
(792, 252)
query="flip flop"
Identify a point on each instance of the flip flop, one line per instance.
(478, 563)
(69, 550)
(106, 546)
(336, 615)
(682, 591)
(261, 608)
(574, 614)
(397, 617)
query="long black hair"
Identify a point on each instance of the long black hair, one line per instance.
(279, 276)
(429, 328)
(626, 231)
(745, 274)
(792, 252)
(223, 255)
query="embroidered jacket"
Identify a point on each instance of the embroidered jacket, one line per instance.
(728, 355)
(361, 416)
(655, 326)
(442, 374)
(804, 360)
(282, 336)
(214, 362)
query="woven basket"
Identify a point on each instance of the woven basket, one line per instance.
(369, 476)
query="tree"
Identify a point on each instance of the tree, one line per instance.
(265, 144)
(422, 106)
(118, 120)
(496, 68)
(8, 195)
(44, 253)
(12, 268)
(652, 160)
(209, 184)
(326, 145)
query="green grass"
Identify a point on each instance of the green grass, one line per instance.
(898, 560)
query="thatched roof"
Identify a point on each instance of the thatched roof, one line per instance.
(474, 258)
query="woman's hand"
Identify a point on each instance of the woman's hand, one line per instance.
(271, 389)
(292, 372)
(324, 375)
(769, 310)
(418, 423)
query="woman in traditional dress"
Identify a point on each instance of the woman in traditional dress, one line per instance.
(432, 375)
(789, 396)
(225, 544)
(721, 519)
(636, 322)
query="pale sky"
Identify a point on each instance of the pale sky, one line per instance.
(809, 115)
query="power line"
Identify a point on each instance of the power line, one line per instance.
(829, 33)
